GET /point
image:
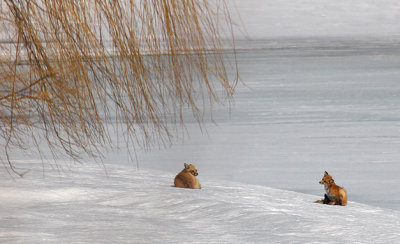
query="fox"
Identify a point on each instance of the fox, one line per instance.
(335, 195)
(187, 177)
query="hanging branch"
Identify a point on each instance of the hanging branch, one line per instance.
(70, 68)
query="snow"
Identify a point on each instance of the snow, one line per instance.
(301, 111)
(86, 204)
(320, 93)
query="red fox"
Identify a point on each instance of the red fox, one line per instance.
(187, 178)
(335, 195)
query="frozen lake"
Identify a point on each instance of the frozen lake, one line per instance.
(304, 108)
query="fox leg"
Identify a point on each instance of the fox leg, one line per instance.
(326, 199)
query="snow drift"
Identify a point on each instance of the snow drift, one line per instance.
(119, 204)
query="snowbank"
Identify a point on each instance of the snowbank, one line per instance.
(141, 206)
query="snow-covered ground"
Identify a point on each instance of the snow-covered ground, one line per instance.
(83, 205)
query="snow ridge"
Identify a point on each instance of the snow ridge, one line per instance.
(131, 206)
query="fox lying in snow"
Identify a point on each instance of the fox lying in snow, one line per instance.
(187, 178)
(335, 195)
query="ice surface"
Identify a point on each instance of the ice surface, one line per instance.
(131, 206)
(303, 111)
(323, 18)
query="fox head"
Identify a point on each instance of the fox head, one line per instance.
(191, 169)
(327, 180)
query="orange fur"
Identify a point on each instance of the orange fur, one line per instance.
(336, 195)
(187, 178)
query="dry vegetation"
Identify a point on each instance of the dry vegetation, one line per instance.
(69, 68)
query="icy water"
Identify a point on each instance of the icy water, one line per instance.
(303, 110)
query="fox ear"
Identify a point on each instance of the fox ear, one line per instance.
(186, 165)
(326, 173)
(331, 181)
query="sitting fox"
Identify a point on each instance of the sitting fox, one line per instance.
(335, 195)
(187, 178)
